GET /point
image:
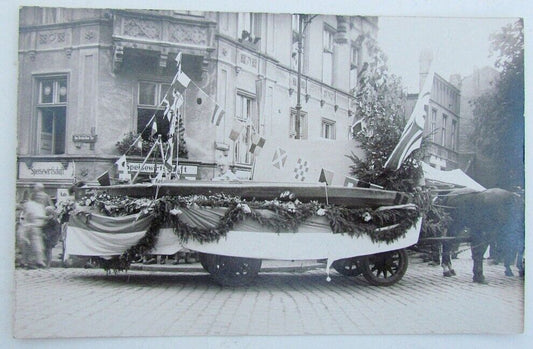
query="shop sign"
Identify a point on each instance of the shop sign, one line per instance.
(185, 171)
(84, 138)
(46, 170)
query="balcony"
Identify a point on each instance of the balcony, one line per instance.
(162, 33)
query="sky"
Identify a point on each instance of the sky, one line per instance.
(458, 44)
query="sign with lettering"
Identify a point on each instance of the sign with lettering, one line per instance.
(41, 170)
(84, 138)
(185, 171)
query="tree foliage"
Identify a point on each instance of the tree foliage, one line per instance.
(380, 101)
(499, 113)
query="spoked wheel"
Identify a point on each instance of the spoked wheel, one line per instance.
(385, 269)
(234, 271)
(348, 266)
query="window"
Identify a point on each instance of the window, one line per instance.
(245, 112)
(242, 146)
(149, 98)
(248, 26)
(444, 126)
(328, 129)
(303, 124)
(355, 56)
(327, 56)
(433, 124)
(294, 43)
(454, 134)
(52, 115)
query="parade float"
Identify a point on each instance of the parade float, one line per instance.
(234, 225)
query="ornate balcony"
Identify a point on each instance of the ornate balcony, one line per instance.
(163, 33)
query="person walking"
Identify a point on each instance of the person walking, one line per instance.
(32, 236)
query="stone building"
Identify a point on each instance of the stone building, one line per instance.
(88, 77)
(442, 118)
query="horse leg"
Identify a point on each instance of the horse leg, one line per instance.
(478, 250)
(446, 264)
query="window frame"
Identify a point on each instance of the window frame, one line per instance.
(160, 90)
(325, 124)
(303, 124)
(56, 107)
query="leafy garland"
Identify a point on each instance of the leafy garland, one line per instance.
(287, 216)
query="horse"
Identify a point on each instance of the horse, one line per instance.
(490, 217)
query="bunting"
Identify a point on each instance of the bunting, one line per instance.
(217, 116)
(257, 143)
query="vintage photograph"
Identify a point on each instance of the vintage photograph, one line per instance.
(208, 173)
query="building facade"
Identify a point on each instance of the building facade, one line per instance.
(88, 77)
(441, 129)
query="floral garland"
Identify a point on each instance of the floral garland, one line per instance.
(289, 214)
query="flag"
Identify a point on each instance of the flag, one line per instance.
(139, 143)
(154, 128)
(122, 168)
(217, 116)
(279, 158)
(326, 176)
(411, 138)
(257, 143)
(104, 236)
(104, 179)
(235, 132)
(301, 169)
(181, 81)
(358, 126)
(353, 182)
(178, 61)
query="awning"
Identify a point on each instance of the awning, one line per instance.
(453, 179)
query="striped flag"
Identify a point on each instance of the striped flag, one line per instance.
(217, 116)
(411, 138)
(97, 235)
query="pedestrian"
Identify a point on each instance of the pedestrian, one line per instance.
(31, 234)
(51, 233)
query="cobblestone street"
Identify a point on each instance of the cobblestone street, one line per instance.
(61, 302)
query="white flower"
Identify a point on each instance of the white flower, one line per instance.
(175, 211)
(245, 208)
(320, 212)
(87, 202)
(367, 217)
(291, 207)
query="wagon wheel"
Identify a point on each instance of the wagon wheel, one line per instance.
(385, 269)
(206, 260)
(348, 266)
(234, 271)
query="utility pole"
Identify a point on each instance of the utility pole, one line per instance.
(299, 82)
